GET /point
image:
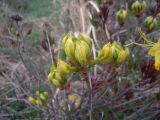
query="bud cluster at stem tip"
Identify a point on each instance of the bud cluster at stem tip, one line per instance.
(57, 75)
(138, 8)
(40, 100)
(150, 23)
(78, 49)
(112, 53)
(121, 16)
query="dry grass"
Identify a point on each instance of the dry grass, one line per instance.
(24, 66)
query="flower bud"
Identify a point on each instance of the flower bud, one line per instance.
(63, 68)
(105, 53)
(150, 23)
(42, 97)
(122, 55)
(82, 52)
(58, 76)
(116, 48)
(121, 16)
(65, 39)
(69, 48)
(56, 83)
(31, 100)
(157, 60)
(37, 93)
(52, 73)
(138, 8)
(46, 94)
(39, 102)
(86, 39)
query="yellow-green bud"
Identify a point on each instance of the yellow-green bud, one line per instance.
(56, 83)
(69, 48)
(39, 102)
(105, 53)
(50, 76)
(31, 100)
(52, 72)
(157, 60)
(122, 55)
(37, 93)
(115, 50)
(63, 68)
(46, 94)
(58, 76)
(82, 52)
(121, 16)
(65, 39)
(138, 8)
(86, 39)
(150, 23)
(42, 97)
(111, 53)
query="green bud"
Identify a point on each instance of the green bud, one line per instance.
(115, 50)
(86, 39)
(31, 99)
(150, 23)
(56, 83)
(110, 53)
(42, 97)
(52, 73)
(65, 39)
(63, 68)
(69, 48)
(50, 76)
(121, 16)
(39, 102)
(114, 53)
(82, 52)
(46, 94)
(37, 93)
(144, 5)
(122, 55)
(105, 53)
(138, 8)
(58, 76)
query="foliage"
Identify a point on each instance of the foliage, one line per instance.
(80, 59)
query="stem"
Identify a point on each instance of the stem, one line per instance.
(89, 85)
(94, 62)
(49, 45)
(82, 19)
(107, 33)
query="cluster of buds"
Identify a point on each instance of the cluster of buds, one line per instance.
(138, 8)
(121, 16)
(112, 53)
(78, 49)
(40, 100)
(57, 75)
(155, 52)
(150, 23)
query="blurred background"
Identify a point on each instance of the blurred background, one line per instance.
(26, 26)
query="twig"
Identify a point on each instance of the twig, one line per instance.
(49, 45)
(82, 18)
